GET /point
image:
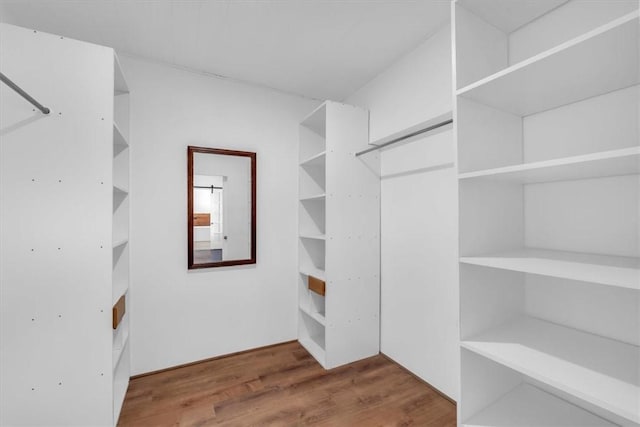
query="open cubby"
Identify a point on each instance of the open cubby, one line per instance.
(312, 253)
(312, 216)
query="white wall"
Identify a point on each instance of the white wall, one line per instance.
(419, 262)
(416, 87)
(179, 316)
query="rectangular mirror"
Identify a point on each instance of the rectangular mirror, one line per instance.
(221, 207)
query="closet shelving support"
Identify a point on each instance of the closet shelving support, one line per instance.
(548, 160)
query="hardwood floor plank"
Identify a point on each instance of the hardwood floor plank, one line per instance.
(284, 386)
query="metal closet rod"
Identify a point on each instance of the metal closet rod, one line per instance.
(24, 94)
(211, 187)
(402, 138)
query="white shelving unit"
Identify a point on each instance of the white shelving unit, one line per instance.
(338, 216)
(121, 218)
(65, 232)
(529, 406)
(547, 116)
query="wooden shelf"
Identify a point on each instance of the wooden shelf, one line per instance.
(118, 137)
(317, 160)
(312, 271)
(578, 69)
(529, 406)
(606, 270)
(601, 371)
(314, 197)
(624, 161)
(318, 317)
(313, 236)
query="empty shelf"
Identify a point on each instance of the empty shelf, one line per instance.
(605, 270)
(318, 317)
(118, 136)
(314, 197)
(120, 84)
(313, 236)
(120, 241)
(578, 69)
(316, 121)
(315, 346)
(529, 406)
(598, 370)
(312, 271)
(120, 190)
(317, 160)
(119, 350)
(625, 161)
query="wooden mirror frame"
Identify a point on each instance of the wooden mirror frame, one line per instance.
(191, 150)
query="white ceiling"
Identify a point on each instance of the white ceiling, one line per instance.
(324, 49)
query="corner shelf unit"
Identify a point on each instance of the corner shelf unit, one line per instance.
(547, 116)
(338, 215)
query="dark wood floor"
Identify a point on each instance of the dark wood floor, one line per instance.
(284, 386)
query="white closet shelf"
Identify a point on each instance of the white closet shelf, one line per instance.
(120, 86)
(318, 317)
(119, 349)
(118, 136)
(414, 128)
(317, 160)
(120, 383)
(117, 189)
(314, 272)
(322, 196)
(617, 271)
(527, 405)
(316, 121)
(601, 371)
(624, 161)
(120, 241)
(313, 236)
(315, 346)
(119, 288)
(578, 69)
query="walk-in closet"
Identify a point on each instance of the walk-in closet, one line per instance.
(333, 213)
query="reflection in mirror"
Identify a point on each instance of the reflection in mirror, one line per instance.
(221, 207)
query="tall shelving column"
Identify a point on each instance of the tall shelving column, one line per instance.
(339, 282)
(120, 246)
(64, 218)
(547, 114)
